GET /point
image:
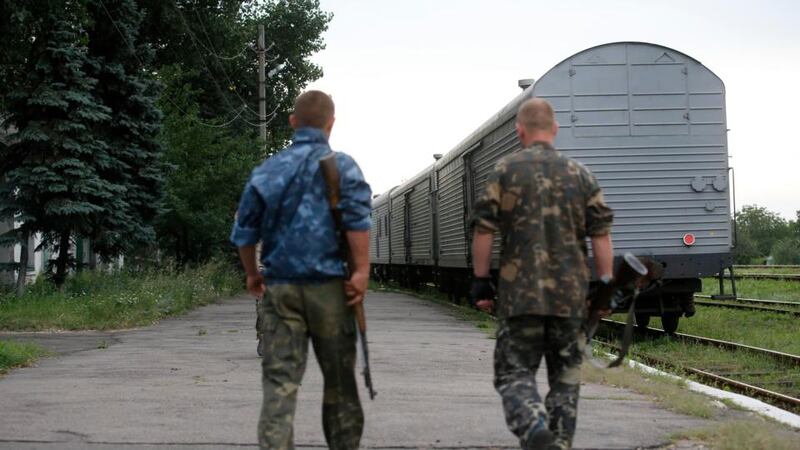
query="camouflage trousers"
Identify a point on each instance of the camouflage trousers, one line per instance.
(291, 314)
(521, 343)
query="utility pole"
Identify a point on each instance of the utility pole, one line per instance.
(262, 89)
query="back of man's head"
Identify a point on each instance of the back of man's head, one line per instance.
(313, 109)
(536, 115)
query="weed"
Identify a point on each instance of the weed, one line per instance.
(784, 290)
(744, 435)
(666, 390)
(19, 354)
(122, 299)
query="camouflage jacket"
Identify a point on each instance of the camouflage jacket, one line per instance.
(284, 205)
(545, 205)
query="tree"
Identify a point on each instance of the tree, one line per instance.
(204, 57)
(213, 43)
(764, 227)
(50, 173)
(133, 133)
(209, 169)
(746, 250)
(786, 251)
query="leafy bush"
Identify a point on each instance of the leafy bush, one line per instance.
(786, 251)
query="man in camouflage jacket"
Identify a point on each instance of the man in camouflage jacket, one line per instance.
(544, 205)
(284, 205)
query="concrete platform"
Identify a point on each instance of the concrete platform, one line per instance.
(194, 383)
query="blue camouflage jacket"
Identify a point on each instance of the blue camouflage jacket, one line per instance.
(284, 205)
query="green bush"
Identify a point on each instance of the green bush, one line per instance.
(121, 299)
(16, 354)
(786, 251)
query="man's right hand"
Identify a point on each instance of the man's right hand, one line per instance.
(482, 293)
(255, 285)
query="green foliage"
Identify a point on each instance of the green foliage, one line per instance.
(213, 42)
(19, 354)
(762, 226)
(209, 168)
(746, 250)
(50, 175)
(123, 299)
(81, 84)
(784, 290)
(786, 251)
(132, 134)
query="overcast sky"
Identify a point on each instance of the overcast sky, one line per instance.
(411, 78)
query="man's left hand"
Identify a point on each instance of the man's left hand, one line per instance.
(356, 287)
(255, 285)
(482, 293)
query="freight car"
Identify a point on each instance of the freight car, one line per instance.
(649, 122)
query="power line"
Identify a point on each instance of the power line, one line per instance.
(194, 40)
(142, 66)
(221, 66)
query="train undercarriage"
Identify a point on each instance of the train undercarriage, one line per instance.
(669, 300)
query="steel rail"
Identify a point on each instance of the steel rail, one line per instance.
(786, 358)
(761, 266)
(717, 304)
(768, 276)
(774, 398)
(755, 301)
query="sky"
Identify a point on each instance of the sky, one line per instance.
(411, 78)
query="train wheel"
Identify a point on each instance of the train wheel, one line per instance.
(642, 321)
(669, 320)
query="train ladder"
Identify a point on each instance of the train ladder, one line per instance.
(721, 275)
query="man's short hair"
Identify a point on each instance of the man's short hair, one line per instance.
(313, 109)
(536, 114)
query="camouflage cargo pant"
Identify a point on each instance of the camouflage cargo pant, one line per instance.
(290, 315)
(521, 343)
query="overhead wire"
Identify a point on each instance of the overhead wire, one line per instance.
(142, 66)
(221, 66)
(195, 43)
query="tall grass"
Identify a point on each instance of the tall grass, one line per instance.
(19, 354)
(122, 299)
(784, 290)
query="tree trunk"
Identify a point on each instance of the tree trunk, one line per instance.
(63, 259)
(22, 273)
(92, 257)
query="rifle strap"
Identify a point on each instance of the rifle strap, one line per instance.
(627, 338)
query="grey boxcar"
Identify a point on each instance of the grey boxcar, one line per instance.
(649, 122)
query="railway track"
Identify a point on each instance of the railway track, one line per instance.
(768, 276)
(724, 379)
(750, 304)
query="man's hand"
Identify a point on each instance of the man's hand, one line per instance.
(356, 287)
(255, 285)
(482, 293)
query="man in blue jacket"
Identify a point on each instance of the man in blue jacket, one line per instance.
(284, 205)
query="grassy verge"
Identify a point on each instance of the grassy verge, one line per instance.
(668, 391)
(784, 290)
(760, 329)
(124, 299)
(14, 354)
(743, 435)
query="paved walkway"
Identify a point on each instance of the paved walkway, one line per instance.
(194, 383)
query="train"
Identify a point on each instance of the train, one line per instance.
(647, 120)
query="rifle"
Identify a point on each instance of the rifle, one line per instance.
(330, 172)
(630, 275)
